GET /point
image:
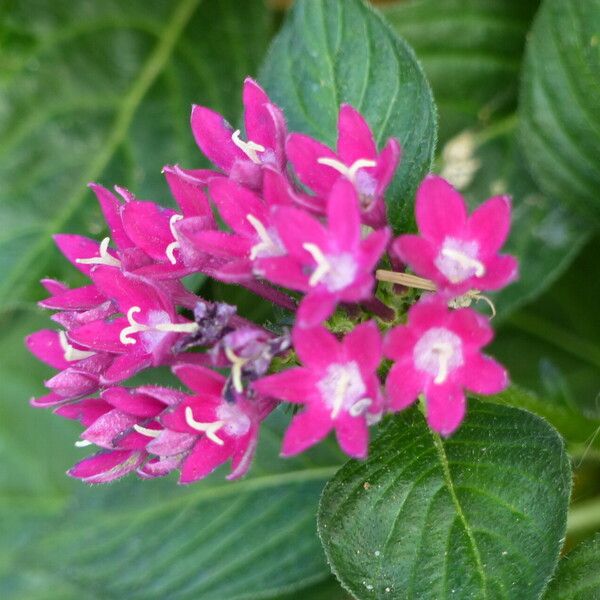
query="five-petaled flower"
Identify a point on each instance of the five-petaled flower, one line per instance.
(331, 264)
(457, 252)
(338, 384)
(438, 354)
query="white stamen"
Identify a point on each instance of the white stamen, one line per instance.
(135, 327)
(465, 261)
(210, 429)
(237, 363)
(444, 353)
(153, 433)
(323, 265)
(104, 257)
(266, 246)
(170, 249)
(249, 148)
(347, 171)
(358, 408)
(82, 443)
(70, 353)
(340, 393)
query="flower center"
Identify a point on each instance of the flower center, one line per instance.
(438, 352)
(158, 322)
(210, 429)
(343, 388)
(104, 257)
(336, 272)
(249, 148)
(69, 352)
(458, 261)
(170, 249)
(269, 244)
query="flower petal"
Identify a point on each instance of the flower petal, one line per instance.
(316, 307)
(355, 139)
(111, 209)
(483, 375)
(292, 385)
(106, 466)
(419, 253)
(189, 196)
(200, 379)
(205, 457)
(363, 345)
(500, 271)
(440, 209)
(45, 345)
(304, 152)
(316, 347)
(403, 385)
(489, 225)
(306, 429)
(445, 408)
(353, 435)
(343, 214)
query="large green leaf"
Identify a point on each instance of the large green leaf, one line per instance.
(479, 515)
(560, 120)
(471, 52)
(145, 539)
(334, 51)
(102, 91)
(578, 576)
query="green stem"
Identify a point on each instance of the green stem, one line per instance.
(584, 517)
(498, 129)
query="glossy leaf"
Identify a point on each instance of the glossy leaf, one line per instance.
(481, 514)
(560, 121)
(334, 51)
(471, 52)
(578, 576)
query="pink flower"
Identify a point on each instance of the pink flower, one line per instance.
(437, 354)
(122, 423)
(338, 384)
(331, 264)
(242, 160)
(222, 430)
(457, 252)
(250, 218)
(357, 160)
(145, 336)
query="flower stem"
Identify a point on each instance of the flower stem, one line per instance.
(271, 294)
(379, 309)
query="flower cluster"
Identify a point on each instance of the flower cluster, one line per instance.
(304, 227)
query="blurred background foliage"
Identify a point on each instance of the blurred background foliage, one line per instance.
(101, 91)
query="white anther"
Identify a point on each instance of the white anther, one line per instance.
(70, 353)
(134, 327)
(82, 443)
(266, 246)
(170, 249)
(104, 257)
(347, 171)
(237, 363)
(210, 429)
(444, 352)
(153, 433)
(360, 407)
(249, 148)
(340, 393)
(465, 261)
(323, 265)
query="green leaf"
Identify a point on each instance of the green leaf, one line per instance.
(578, 576)
(553, 346)
(102, 91)
(334, 51)
(471, 52)
(479, 515)
(560, 121)
(60, 539)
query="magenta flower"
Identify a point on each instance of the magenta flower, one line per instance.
(122, 423)
(242, 160)
(438, 354)
(357, 160)
(458, 253)
(222, 430)
(143, 337)
(331, 264)
(338, 384)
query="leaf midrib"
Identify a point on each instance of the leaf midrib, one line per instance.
(16, 281)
